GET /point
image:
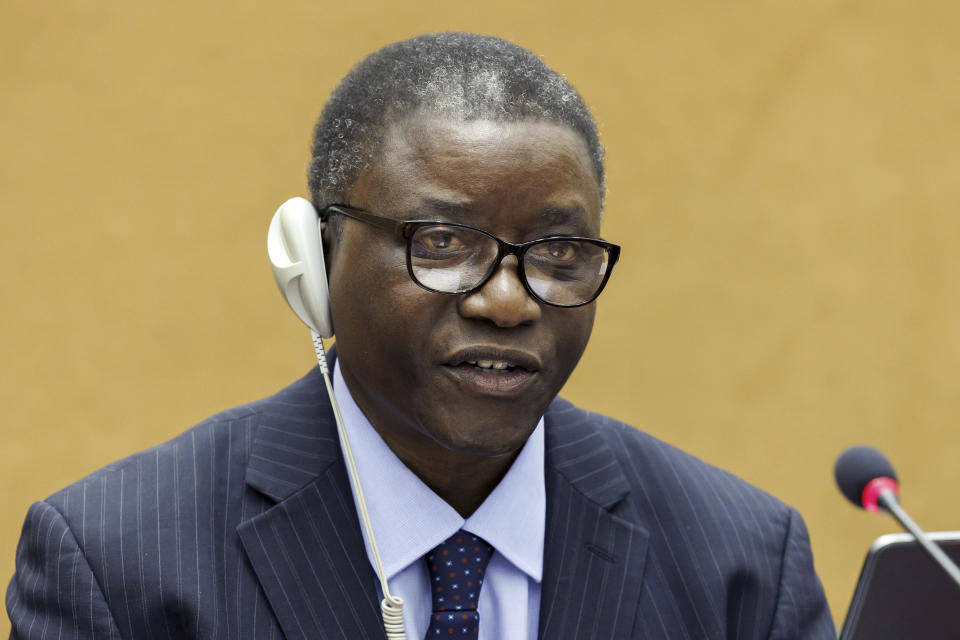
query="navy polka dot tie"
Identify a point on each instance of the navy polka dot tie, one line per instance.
(457, 569)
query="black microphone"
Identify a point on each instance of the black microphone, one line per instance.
(868, 480)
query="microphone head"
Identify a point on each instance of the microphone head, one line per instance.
(857, 468)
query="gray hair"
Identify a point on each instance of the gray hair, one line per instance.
(461, 76)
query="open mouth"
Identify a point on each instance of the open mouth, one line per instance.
(492, 365)
(493, 358)
(492, 371)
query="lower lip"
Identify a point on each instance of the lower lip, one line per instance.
(491, 381)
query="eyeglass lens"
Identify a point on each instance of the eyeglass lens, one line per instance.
(456, 259)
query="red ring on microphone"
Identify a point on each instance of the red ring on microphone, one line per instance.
(873, 490)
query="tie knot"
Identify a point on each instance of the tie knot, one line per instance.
(457, 568)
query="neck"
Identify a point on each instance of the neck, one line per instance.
(462, 480)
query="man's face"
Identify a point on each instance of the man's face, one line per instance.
(407, 353)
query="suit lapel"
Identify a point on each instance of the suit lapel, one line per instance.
(307, 550)
(594, 553)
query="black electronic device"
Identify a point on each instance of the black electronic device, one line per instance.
(903, 594)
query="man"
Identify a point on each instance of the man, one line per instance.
(460, 182)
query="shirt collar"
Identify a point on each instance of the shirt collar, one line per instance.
(409, 519)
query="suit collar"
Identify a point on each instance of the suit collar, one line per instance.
(576, 450)
(296, 438)
(595, 549)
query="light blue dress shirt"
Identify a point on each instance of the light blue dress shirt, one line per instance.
(409, 520)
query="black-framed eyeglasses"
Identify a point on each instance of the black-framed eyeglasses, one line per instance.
(453, 259)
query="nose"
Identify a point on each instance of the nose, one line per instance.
(502, 299)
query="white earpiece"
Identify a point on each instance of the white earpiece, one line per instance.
(296, 256)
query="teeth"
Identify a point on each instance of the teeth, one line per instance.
(499, 365)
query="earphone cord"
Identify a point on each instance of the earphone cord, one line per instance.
(391, 606)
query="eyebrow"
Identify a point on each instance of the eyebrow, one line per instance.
(573, 216)
(554, 214)
(455, 209)
(557, 215)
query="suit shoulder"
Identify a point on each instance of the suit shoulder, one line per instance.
(659, 471)
(226, 435)
(223, 441)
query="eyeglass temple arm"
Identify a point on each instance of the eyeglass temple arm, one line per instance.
(368, 218)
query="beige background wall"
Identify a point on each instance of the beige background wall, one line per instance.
(783, 177)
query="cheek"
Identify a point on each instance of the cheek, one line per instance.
(363, 279)
(381, 318)
(572, 332)
(573, 329)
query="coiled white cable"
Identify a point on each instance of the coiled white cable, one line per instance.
(391, 606)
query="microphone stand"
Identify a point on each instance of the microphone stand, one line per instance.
(888, 500)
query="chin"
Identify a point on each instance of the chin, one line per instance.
(487, 443)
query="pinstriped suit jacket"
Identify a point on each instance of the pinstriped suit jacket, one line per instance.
(244, 527)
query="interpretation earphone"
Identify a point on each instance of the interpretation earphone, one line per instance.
(295, 248)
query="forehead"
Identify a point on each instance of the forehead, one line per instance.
(483, 166)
